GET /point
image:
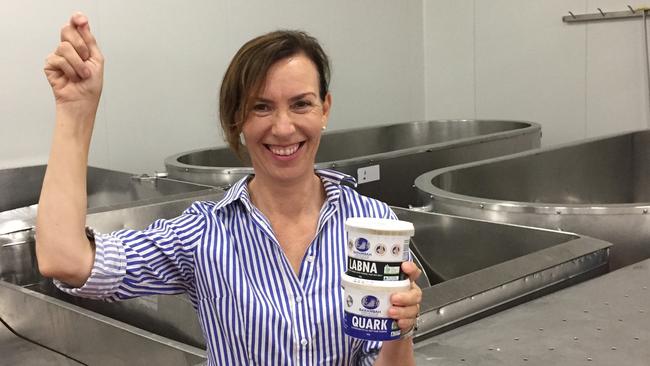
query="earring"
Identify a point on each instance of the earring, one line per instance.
(323, 128)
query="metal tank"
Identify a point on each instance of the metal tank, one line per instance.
(474, 268)
(17, 351)
(161, 330)
(600, 322)
(37, 326)
(477, 268)
(20, 189)
(598, 187)
(384, 159)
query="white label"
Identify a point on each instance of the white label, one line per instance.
(368, 174)
(377, 248)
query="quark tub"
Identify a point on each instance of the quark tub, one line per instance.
(598, 187)
(384, 159)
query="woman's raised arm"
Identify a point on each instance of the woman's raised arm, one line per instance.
(75, 73)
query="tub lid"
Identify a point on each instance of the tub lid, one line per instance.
(347, 280)
(380, 226)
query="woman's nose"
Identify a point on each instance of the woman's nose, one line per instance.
(282, 123)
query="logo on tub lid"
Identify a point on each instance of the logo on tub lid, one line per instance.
(370, 302)
(362, 244)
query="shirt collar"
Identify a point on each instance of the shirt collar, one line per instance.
(332, 181)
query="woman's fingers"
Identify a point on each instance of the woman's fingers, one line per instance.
(406, 304)
(78, 45)
(81, 25)
(57, 65)
(406, 324)
(407, 298)
(70, 34)
(78, 19)
(404, 312)
(89, 40)
(75, 68)
(406, 316)
(72, 58)
(411, 270)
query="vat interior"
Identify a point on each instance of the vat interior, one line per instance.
(170, 316)
(450, 247)
(348, 144)
(22, 186)
(608, 171)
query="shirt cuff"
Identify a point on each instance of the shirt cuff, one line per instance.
(109, 268)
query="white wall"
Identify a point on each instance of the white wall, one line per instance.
(508, 59)
(393, 61)
(165, 60)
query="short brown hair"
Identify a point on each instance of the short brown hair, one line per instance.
(247, 71)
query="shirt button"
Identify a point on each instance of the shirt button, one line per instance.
(298, 298)
(304, 342)
(310, 258)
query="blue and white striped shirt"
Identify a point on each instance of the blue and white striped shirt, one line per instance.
(252, 307)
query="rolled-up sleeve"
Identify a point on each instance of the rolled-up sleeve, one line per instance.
(156, 261)
(108, 269)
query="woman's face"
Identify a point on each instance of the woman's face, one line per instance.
(283, 128)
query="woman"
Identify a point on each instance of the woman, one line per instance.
(262, 266)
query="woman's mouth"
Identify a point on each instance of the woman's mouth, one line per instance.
(284, 150)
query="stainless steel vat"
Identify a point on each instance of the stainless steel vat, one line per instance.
(87, 336)
(479, 267)
(160, 330)
(598, 187)
(34, 309)
(107, 190)
(475, 267)
(396, 154)
(17, 351)
(600, 322)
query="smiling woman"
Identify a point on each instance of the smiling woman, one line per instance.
(282, 132)
(247, 73)
(263, 266)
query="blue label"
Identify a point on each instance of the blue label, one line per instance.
(362, 245)
(374, 329)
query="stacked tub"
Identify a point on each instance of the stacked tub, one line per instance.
(376, 249)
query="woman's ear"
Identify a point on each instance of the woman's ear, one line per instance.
(327, 104)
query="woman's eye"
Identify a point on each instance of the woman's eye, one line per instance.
(302, 105)
(261, 108)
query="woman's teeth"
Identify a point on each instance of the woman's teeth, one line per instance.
(284, 150)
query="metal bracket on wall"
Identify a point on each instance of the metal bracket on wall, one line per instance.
(602, 15)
